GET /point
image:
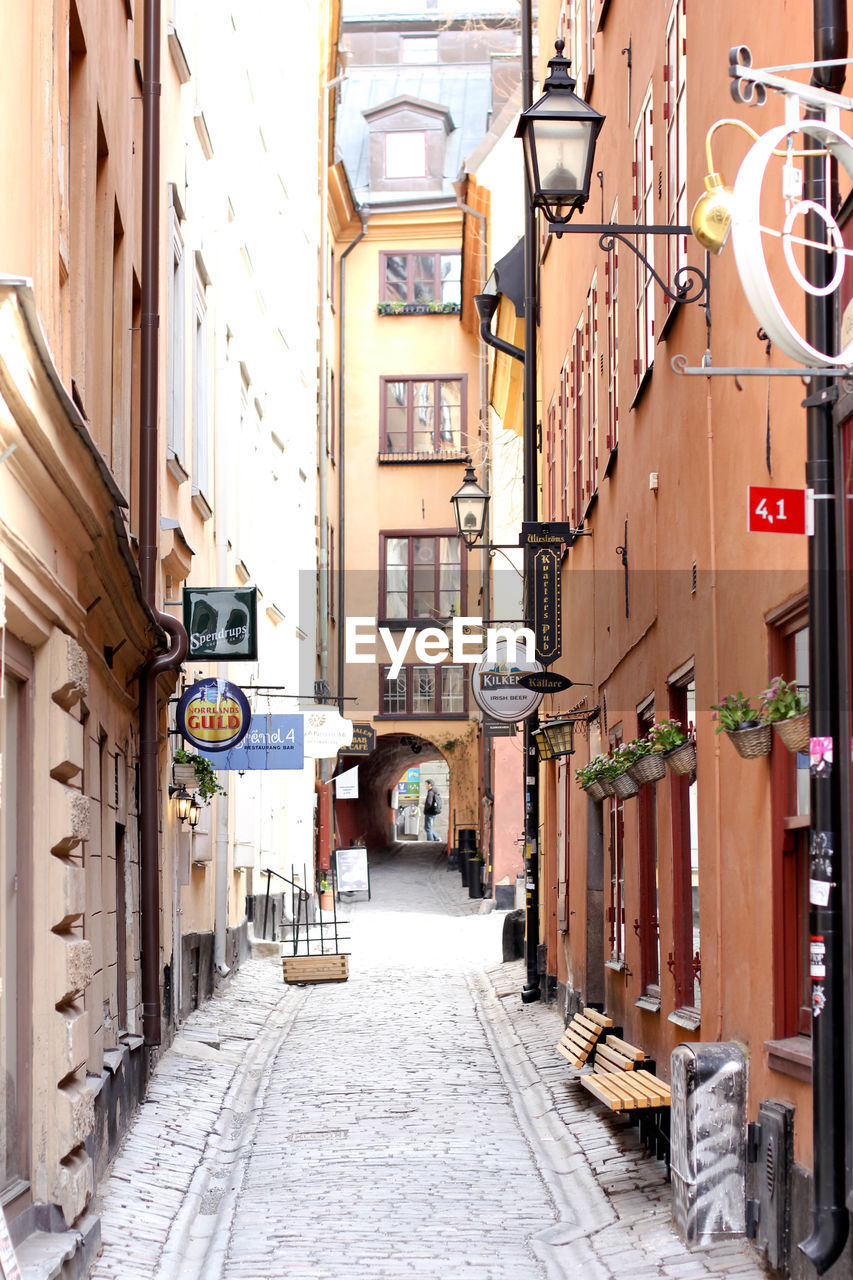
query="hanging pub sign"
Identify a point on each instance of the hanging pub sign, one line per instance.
(546, 603)
(545, 682)
(551, 533)
(213, 715)
(272, 742)
(495, 686)
(363, 741)
(221, 623)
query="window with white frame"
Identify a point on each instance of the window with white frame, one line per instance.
(589, 41)
(591, 342)
(644, 213)
(565, 435)
(611, 297)
(675, 118)
(578, 426)
(176, 408)
(201, 395)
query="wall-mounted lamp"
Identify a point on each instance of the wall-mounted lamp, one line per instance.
(469, 504)
(712, 213)
(194, 811)
(183, 801)
(555, 738)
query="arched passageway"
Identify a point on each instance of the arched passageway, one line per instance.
(369, 817)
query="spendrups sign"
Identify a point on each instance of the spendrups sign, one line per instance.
(221, 623)
(496, 689)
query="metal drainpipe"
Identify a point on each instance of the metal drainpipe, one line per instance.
(364, 214)
(323, 604)
(531, 991)
(149, 849)
(483, 380)
(831, 1222)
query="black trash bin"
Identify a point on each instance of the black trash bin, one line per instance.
(467, 837)
(475, 877)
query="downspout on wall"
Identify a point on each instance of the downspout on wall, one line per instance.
(364, 214)
(149, 847)
(831, 1220)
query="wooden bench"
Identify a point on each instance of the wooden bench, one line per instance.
(623, 1078)
(299, 970)
(582, 1035)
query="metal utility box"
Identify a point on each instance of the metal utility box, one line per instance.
(708, 1136)
(770, 1151)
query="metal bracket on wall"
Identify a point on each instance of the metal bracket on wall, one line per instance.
(679, 364)
(691, 283)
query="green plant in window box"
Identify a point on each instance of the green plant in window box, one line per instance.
(666, 735)
(207, 784)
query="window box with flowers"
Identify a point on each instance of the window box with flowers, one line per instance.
(418, 308)
(595, 778)
(787, 710)
(749, 735)
(195, 772)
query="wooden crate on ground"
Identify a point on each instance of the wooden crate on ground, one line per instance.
(302, 969)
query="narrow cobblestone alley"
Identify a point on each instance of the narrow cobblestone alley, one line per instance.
(414, 1121)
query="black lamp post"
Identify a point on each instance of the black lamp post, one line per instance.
(469, 505)
(558, 133)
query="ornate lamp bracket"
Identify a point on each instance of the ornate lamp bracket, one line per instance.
(690, 284)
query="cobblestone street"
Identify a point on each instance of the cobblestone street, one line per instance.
(414, 1121)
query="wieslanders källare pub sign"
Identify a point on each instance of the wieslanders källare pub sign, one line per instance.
(221, 623)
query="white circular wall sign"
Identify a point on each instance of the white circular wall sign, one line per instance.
(747, 234)
(494, 683)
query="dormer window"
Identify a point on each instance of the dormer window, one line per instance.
(407, 145)
(406, 155)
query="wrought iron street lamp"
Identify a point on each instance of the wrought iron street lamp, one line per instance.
(558, 133)
(555, 738)
(183, 799)
(469, 504)
(194, 811)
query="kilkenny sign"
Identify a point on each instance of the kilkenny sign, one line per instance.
(496, 689)
(213, 715)
(221, 623)
(546, 603)
(363, 741)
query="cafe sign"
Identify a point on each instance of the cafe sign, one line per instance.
(221, 623)
(213, 715)
(363, 740)
(546, 603)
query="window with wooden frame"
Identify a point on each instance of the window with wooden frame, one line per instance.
(647, 924)
(422, 415)
(550, 494)
(616, 907)
(589, 42)
(675, 120)
(591, 342)
(578, 425)
(424, 690)
(644, 210)
(685, 959)
(790, 801)
(421, 277)
(201, 481)
(565, 434)
(176, 403)
(611, 299)
(421, 576)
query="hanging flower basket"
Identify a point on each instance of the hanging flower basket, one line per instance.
(595, 790)
(625, 786)
(682, 759)
(794, 732)
(648, 769)
(752, 742)
(606, 785)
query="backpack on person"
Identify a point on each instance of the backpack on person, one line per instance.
(436, 802)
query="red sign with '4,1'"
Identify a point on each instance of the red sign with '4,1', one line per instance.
(771, 510)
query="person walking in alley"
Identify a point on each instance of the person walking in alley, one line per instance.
(432, 806)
